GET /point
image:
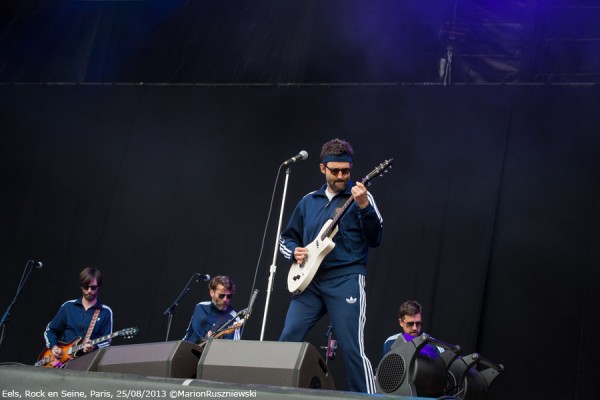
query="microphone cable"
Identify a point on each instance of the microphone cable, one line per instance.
(262, 244)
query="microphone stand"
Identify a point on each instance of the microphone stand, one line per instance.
(171, 309)
(448, 67)
(275, 251)
(331, 348)
(28, 268)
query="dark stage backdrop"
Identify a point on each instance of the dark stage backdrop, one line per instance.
(491, 213)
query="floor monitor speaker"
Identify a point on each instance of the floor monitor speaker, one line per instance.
(86, 362)
(177, 359)
(262, 362)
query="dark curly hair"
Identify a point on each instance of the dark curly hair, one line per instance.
(336, 146)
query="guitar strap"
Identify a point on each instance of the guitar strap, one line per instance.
(338, 206)
(219, 323)
(92, 324)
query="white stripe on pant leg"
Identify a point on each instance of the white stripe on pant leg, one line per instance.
(367, 367)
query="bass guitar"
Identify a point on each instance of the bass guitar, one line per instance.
(70, 350)
(301, 275)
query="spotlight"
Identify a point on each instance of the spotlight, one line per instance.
(415, 367)
(470, 377)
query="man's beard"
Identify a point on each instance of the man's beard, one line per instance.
(220, 306)
(338, 186)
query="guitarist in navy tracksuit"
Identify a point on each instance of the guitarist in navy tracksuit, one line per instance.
(338, 287)
(209, 316)
(74, 317)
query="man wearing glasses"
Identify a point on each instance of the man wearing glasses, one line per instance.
(411, 322)
(75, 317)
(338, 287)
(211, 315)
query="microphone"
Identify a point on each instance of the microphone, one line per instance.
(37, 264)
(303, 155)
(251, 304)
(203, 277)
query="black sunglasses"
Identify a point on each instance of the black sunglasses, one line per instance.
(87, 287)
(336, 171)
(413, 323)
(223, 295)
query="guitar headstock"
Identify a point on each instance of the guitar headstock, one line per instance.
(379, 170)
(128, 333)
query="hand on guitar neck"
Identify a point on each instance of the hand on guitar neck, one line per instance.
(359, 193)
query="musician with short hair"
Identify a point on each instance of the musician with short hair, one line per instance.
(75, 318)
(211, 315)
(338, 288)
(410, 320)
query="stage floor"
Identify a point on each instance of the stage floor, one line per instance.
(27, 382)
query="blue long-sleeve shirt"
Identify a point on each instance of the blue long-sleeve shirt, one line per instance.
(72, 321)
(359, 229)
(207, 317)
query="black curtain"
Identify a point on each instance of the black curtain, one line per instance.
(490, 212)
(144, 137)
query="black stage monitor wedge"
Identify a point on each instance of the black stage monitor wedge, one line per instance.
(86, 362)
(262, 362)
(176, 359)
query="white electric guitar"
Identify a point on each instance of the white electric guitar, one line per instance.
(301, 275)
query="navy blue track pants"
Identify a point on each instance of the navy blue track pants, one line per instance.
(344, 299)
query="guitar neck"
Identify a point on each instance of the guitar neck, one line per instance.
(341, 212)
(78, 347)
(337, 218)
